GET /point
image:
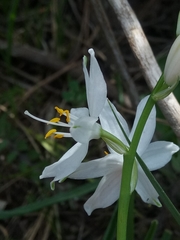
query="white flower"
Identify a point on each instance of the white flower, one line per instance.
(155, 155)
(172, 66)
(80, 121)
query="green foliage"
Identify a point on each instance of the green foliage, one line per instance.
(15, 149)
(75, 94)
(10, 96)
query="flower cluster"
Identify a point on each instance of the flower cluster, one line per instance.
(83, 127)
(82, 123)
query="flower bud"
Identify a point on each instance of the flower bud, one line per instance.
(113, 142)
(172, 66)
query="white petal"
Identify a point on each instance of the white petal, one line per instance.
(149, 127)
(106, 193)
(146, 190)
(110, 124)
(95, 86)
(159, 154)
(80, 112)
(99, 167)
(69, 162)
(86, 76)
(85, 129)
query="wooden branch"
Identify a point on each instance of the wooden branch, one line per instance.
(142, 50)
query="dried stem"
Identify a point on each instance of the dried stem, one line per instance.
(142, 50)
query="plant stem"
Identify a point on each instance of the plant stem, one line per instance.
(125, 192)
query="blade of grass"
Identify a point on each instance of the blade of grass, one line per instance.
(110, 232)
(61, 197)
(152, 230)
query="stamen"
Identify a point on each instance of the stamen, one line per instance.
(67, 115)
(48, 122)
(58, 136)
(106, 153)
(55, 120)
(50, 132)
(59, 110)
(63, 112)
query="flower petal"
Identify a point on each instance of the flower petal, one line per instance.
(106, 193)
(110, 123)
(69, 162)
(146, 190)
(95, 86)
(79, 112)
(159, 154)
(85, 129)
(99, 167)
(149, 127)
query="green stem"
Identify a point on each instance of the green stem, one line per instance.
(130, 221)
(125, 192)
(164, 198)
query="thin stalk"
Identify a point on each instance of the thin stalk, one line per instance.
(125, 191)
(130, 230)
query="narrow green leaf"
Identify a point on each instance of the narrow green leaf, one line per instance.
(111, 229)
(61, 197)
(152, 230)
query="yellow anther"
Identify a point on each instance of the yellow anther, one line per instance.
(59, 110)
(55, 120)
(58, 136)
(67, 115)
(106, 153)
(63, 112)
(50, 132)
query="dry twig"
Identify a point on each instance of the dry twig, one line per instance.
(150, 69)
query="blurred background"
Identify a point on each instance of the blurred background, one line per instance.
(41, 48)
